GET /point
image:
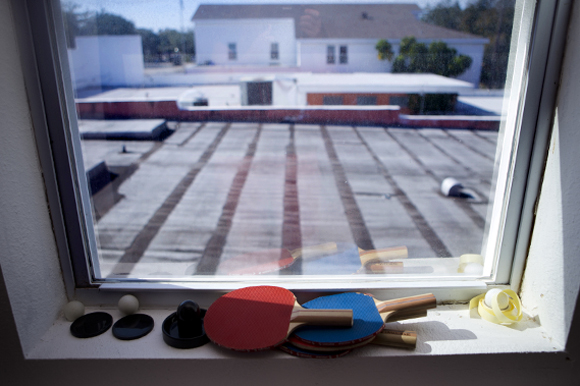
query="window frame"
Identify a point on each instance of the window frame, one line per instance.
(330, 54)
(232, 51)
(343, 54)
(274, 51)
(53, 114)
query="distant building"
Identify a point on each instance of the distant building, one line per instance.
(319, 38)
(107, 61)
(372, 89)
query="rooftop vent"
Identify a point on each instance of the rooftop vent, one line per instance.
(365, 16)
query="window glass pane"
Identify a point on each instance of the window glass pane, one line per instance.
(332, 100)
(202, 160)
(343, 55)
(330, 54)
(274, 51)
(232, 52)
(366, 100)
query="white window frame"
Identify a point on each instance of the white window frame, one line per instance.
(53, 111)
(232, 51)
(343, 57)
(330, 54)
(274, 51)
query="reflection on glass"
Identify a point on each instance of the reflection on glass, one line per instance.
(203, 158)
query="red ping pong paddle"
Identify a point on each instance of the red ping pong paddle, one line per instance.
(261, 317)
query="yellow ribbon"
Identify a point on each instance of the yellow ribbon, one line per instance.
(512, 313)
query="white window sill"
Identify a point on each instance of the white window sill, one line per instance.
(447, 330)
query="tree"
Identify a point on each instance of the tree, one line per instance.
(445, 14)
(492, 19)
(437, 58)
(385, 50)
(171, 39)
(151, 42)
(103, 23)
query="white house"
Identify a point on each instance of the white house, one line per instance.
(319, 38)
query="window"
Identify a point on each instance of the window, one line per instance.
(366, 100)
(343, 59)
(333, 100)
(330, 54)
(232, 51)
(166, 199)
(402, 101)
(274, 53)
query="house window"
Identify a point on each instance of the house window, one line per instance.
(401, 101)
(274, 53)
(366, 100)
(232, 51)
(330, 54)
(343, 58)
(332, 100)
(159, 201)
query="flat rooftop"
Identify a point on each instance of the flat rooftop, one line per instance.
(212, 191)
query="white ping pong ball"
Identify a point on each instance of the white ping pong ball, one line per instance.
(473, 269)
(73, 310)
(503, 300)
(128, 304)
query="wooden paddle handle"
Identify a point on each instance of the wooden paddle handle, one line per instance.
(392, 338)
(316, 250)
(416, 303)
(322, 317)
(382, 255)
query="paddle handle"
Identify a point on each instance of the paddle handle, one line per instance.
(396, 316)
(392, 338)
(416, 303)
(382, 255)
(322, 317)
(314, 251)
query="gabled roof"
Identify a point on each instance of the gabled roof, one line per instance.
(342, 21)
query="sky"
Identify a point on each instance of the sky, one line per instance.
(162, 14)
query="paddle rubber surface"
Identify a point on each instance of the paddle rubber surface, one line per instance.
(251, 318)
(367, 321)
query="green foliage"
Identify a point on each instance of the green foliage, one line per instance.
(171, 39)
(385, 50)
(446, 14)
(151, 42)
(104, 23)
(437, 58)
(492, 19)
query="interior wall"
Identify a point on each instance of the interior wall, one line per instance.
(558, 214)
(28, 254)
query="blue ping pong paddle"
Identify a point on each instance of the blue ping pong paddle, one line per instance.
(369, 316)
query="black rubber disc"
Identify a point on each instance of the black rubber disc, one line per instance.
(90, 325)
(172, 338)
(133, 326)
